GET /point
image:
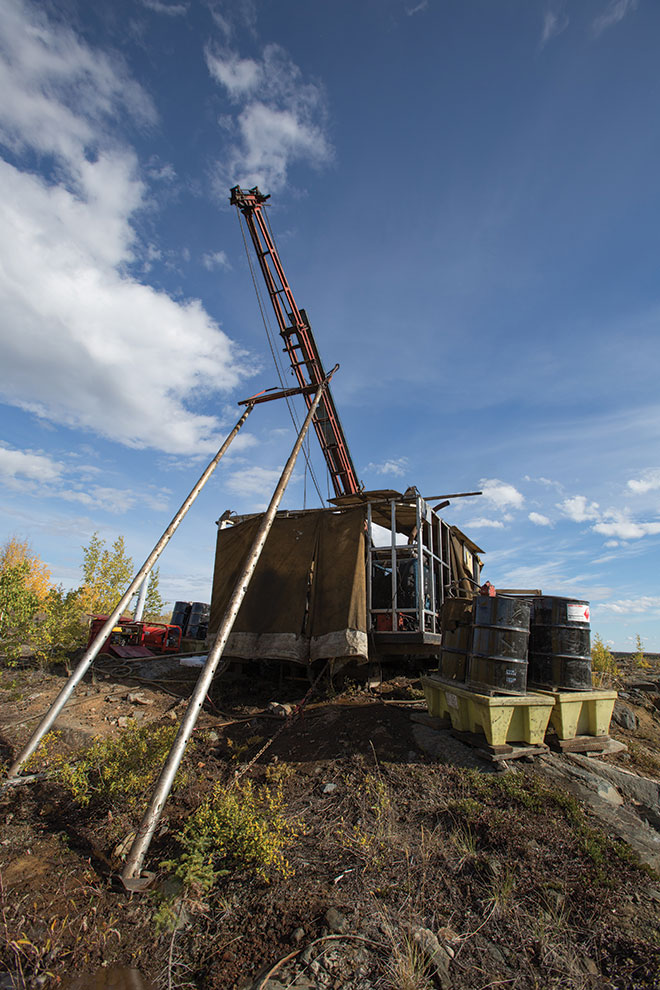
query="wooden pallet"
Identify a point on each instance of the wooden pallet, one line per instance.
(587, 744)
(496, 754)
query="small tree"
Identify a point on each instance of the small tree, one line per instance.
(154, 605)
(639, 658)
(604, 667)
(106, 575)
(18, 607)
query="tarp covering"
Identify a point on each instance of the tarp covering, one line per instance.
(307, 598)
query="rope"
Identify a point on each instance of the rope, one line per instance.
(273, 351)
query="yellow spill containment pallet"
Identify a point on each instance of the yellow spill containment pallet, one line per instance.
(502, 719)
(581, 713)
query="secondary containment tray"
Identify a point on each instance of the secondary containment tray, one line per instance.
(502, 719)
(580, 713)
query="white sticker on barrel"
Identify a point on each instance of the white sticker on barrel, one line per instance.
(578, 613)
(452, 700)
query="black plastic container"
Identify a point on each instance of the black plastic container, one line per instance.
(198, 621)
(180, 615)
(560, 644)
(500, 638)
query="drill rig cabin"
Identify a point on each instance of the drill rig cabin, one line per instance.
(363, 578)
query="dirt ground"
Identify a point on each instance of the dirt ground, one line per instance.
(406, 870)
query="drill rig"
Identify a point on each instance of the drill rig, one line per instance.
(414, 560)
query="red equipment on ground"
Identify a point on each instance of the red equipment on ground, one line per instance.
(130, 639)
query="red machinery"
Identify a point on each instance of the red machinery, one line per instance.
(130, 639)
(299, 342)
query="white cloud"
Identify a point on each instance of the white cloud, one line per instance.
(501, 494)
(625, 606)
(216, 259)
(649, 482)
(620, 526)
(395, 465)
(553, 24)
(239, 76)
(253, 481)
(483, 523)
(538, 519)
(615, 12)
(69, 312)
(579, 509)
(28, 464)
(278, 124)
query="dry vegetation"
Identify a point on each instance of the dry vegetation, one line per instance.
(345, 857)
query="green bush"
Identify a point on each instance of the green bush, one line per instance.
(604, 669)
(118, 772)
(238, 827)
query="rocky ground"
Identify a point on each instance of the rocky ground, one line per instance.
(411, 862)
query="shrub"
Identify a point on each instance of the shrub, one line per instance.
(114, 772)
(238, 827)
(604, 669)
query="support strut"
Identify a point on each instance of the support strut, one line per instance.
(131, 872)
(105, 630)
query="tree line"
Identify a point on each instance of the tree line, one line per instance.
(50, 621)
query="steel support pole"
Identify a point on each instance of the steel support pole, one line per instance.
(107, 627)
(142, 597)
(131, 872)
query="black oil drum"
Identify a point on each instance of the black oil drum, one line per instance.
(456, 628)
(560, 644)
(500, 637)
(198, 621)
(180, 615)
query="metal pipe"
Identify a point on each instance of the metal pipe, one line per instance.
(131, 872)
(107, 627)
(142, 597)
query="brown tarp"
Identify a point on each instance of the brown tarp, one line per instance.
(307, 598)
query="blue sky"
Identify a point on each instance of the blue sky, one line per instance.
(465, 197)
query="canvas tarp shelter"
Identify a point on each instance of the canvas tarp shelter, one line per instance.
(307, 598)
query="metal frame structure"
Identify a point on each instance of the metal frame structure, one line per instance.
(410, 616)
(299, 343)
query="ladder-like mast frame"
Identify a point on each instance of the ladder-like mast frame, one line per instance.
(299, 343)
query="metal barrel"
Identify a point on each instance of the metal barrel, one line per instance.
(456, 628)
(180, 615)
(199, 620)
(500, 637)
(560, 644)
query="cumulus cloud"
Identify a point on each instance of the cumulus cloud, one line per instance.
(28, 464)
(615, 11)
(279, 119)
(501, 494)
(70, 313)
(649, 482)
(579, 509)
(538, 519)
(619, 525)
(395, 465)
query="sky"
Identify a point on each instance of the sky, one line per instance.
(465, 197)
